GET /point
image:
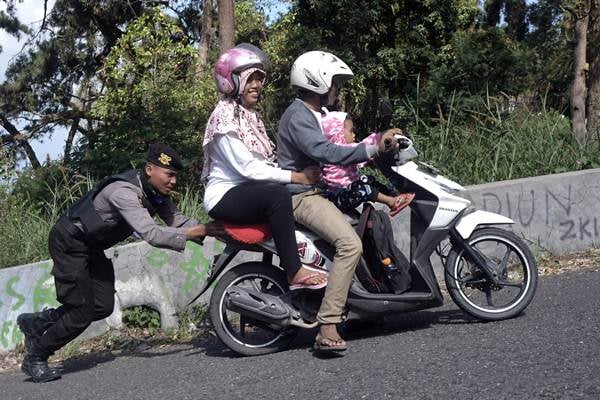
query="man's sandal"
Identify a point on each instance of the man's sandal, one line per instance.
(301, 284)
(323, 347)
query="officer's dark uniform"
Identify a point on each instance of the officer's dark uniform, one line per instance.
(84, 277)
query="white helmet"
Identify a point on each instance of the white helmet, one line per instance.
(314, 71)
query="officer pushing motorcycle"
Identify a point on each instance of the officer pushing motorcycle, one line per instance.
(84, 277)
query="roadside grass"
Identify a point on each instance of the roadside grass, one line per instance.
(28, 223)
(494, 147)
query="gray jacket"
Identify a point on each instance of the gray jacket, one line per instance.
(123, 201)
(301, 143)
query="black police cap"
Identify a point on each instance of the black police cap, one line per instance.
(164, 156)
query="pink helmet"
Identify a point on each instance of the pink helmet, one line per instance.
(235, 60)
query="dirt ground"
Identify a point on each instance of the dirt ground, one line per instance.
(134, 340)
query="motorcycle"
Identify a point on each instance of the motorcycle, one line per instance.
(489, 272)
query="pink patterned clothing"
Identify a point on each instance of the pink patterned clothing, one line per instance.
(338, 176)
(230, 117)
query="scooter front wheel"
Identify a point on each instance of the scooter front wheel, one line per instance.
(475, 294)
(243, 334)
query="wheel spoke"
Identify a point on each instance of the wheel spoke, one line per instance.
(242, 326)
(506, 295)
(488, 295)
(510, 284)
(502, 266)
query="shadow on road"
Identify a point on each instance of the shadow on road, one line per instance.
(211, 346)
(91, 360)
(392, 325)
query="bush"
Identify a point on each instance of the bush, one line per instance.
(142, 317)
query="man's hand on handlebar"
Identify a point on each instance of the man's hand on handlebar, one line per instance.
(308, 176)
(388, 141)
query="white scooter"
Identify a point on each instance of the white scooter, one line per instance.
(490, 273)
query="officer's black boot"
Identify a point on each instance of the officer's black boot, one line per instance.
(33, 325)
(35, 364)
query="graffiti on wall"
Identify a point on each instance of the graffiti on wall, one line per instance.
(551, 207)
(195, 269)
(18, 297)
(15, 300)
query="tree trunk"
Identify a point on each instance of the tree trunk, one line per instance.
(20, 140)
(205, 32)
(69, 141)
(578, 87)
(226, 25)
(593, 95)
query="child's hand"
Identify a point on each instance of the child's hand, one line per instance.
(388, 141)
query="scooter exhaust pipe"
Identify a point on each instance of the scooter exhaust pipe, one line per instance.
(259, 306)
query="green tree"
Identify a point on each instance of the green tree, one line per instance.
(152, 94)
(389, 45)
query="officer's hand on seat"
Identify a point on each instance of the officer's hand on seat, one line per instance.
(214, 229)
(199, 232)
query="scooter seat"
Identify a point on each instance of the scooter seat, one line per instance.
(250, 234)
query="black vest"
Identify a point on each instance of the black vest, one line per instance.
(104, 234)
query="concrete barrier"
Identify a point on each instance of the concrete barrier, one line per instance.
(554, 213)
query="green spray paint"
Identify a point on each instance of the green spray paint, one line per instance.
(195, 269)
(157, 258)
(17, 335)
(12, 293)
(44, 294)
(4, 333)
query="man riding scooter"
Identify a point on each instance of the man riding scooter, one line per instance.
(318, 76)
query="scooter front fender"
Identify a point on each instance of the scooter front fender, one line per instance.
(469, 222)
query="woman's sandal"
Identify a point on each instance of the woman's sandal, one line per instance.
(321, 345)
(301, 284)
(402, 201)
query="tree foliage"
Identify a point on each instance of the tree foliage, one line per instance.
(152, 94)
(119, 75)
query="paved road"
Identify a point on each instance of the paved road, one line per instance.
(550, 352)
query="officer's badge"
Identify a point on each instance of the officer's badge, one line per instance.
(164, 159)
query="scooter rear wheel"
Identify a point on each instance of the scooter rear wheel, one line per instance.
(238, 332)
(475, 294)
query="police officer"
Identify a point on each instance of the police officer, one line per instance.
(84, 277)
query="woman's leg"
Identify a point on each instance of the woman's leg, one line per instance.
(266, 202)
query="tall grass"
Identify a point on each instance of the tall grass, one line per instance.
(494, 146)
(27, 223)
(189, 202)
(24, 234)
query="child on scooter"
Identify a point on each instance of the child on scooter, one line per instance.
(339, 129)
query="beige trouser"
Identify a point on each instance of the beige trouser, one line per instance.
(323, 218)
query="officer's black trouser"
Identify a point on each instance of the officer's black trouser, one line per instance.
(85, 286)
